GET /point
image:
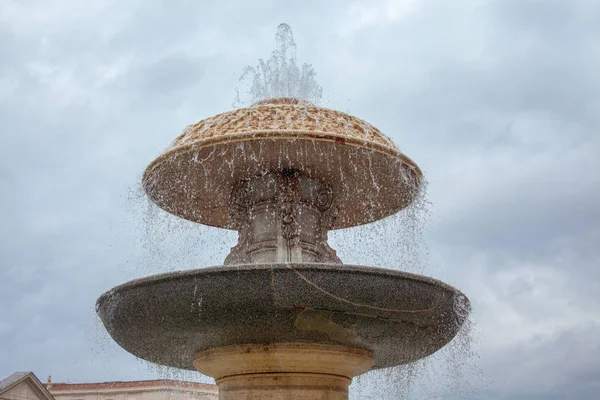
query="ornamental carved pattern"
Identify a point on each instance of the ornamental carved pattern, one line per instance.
(288, 193)
(286, 117)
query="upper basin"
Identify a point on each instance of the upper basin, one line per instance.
(168, 318)
(370, 177)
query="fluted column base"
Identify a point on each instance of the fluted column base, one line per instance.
(298, 371)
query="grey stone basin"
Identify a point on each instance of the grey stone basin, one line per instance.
(167, 318)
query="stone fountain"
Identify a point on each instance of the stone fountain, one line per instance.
(283, 318)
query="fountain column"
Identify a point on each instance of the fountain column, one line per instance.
(301, 371)
(282, 216)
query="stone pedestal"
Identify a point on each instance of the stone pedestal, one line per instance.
(294, 371)
(282, 216)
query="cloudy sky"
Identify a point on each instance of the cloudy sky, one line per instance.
(497, 100)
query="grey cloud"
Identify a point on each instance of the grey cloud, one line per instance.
(498, 103)
(555, 369)
(169, 74)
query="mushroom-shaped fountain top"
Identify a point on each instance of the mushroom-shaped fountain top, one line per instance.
(370, 177)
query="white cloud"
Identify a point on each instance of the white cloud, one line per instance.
(363, 15)
(38, 16)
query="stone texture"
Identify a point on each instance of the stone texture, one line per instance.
(195, 176)
(283, 371)
(282, 217)
(283, 115)
(168, 318)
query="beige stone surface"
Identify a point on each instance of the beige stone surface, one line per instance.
(281, 386)
(283, 370)
(370, 178)
(23, 386)
(280, 115)
(161, 389)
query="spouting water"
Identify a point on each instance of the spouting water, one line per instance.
(279, 76)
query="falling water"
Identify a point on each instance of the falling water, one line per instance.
(166, 243)
(396, 242)
(169, 243)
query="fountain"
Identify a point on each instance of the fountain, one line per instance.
(283, 318)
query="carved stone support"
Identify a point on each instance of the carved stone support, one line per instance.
(282, 216)
(301, 371)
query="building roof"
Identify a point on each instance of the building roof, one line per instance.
(167, 383)
(19, 377)
(12, 380)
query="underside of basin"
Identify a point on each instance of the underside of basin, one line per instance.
(370, 177)
(398, 317)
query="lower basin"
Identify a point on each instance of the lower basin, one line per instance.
(168, 318)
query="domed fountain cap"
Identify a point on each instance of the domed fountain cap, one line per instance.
(371, 179)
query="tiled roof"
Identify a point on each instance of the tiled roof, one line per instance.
(168, 383)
